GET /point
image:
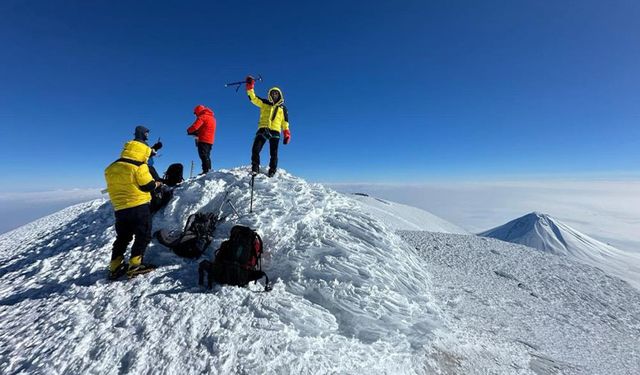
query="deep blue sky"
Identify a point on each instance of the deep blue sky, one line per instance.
(401, 91)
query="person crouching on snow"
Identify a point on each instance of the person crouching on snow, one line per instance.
(273, 119)
(129, 185)
(204, 129)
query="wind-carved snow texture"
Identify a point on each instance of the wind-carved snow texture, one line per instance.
(543, 232)
(350, 296)
(529, 311)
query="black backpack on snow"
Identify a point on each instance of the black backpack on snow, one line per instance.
(173, 175)
(196, 237)
(237, 261)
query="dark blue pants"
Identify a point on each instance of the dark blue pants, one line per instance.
(204, 151)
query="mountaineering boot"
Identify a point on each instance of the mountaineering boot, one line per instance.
(271, 173)
(136, 267)
(117, 269)
(118, 272)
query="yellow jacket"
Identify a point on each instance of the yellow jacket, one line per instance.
(129, 182)
(273, 116)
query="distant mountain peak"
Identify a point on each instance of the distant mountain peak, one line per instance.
(543, 232)
(538, 230)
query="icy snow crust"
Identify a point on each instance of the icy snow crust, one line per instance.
(528, 310)
(402, 217)
(350, 296)
(544, 232)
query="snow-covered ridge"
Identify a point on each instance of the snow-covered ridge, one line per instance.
(350, 297)
(544, 232)
(345, 284)
(402, 217)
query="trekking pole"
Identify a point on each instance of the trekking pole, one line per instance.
(240, 83)
(251, 205)
(191, 173)
(233, 207)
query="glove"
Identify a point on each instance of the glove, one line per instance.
(287, 136)
(157, 146)
(250, 83)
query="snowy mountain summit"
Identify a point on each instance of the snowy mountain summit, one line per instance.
(344, 283)
(546, 233)
(350, 296)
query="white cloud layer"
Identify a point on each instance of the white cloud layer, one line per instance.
(606, 210)
(17, 208)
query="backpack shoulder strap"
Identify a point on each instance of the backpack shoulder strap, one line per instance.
(190, 220)
(130, 161)
(260, 274)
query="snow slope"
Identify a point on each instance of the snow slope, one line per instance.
(345, 284)
(351, 297)
(530, 311)
(402, 217)
(543, 232)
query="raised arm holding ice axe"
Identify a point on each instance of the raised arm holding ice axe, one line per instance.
(273, 119)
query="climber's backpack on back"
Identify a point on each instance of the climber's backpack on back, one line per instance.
(173, 175)
(237, 261)
(196, 237)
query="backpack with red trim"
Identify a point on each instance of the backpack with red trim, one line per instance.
(237, 261)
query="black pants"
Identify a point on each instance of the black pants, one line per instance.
(262, 136)
(134, 221)
(204, 151)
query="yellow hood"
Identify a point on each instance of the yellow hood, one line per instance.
(137, 151)
(279, 91)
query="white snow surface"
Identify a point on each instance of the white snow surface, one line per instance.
(529, 311)
(402, 217)
(544, 232)
(351, 297)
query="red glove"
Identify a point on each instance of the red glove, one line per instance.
(287, 136)
(250, 83)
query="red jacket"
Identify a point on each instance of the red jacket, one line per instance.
(205, 125)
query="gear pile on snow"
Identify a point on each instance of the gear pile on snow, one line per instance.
(237, 261)
(196, 237)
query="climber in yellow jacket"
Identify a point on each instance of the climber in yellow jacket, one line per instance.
(273, 119)
(130, 184)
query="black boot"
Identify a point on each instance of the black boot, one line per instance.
(119, 272)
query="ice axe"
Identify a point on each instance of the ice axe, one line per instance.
(240, 83)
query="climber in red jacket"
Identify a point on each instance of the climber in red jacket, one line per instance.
(204, 129)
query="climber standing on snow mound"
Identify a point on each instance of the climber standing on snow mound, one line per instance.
(273, 119)
(129, 184)
(204, 129)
